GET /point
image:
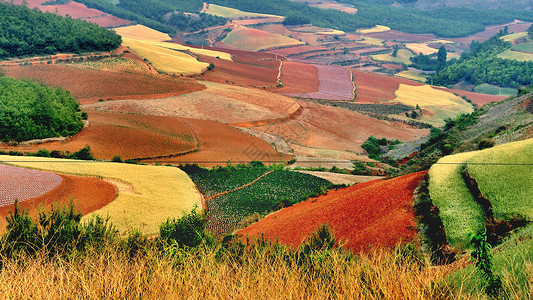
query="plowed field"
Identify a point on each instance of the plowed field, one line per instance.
(298, 78)
(91, 85)
(401, 36)
(375, 88)
(334, 84)
(362, 216)
(260, 74)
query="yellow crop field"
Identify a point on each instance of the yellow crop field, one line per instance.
(516, 55)
(143, 33)
(412, 75)
(421, 48)
(440, 104)
(165, 60)
(375, 29)
(514, 36)
(160, 192)
(332, 32)
(254, 40)
(232, 13)
(458, 210)
(371, 41)
(402, 56)
(206, 52)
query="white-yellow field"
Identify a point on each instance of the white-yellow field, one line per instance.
(232, 13)
(160, 192)
(206, 52)
(332, 32)
(165, 60)
(440, 104)
(375, 29)
(423, 48)
(514, 36)
(143, 33)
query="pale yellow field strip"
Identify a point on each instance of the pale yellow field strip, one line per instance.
(421, 48)
(232, 13)
(375, 29)
(159, 192)
(206, 52)
(143, 33)
(332, 32)
(514, 36)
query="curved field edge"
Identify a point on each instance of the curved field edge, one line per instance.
(459, 212)
(505, 177)
(161, 192)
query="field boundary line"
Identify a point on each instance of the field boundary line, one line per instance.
(239, 188)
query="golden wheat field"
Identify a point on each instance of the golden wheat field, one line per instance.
(143, 33)
(148, 195)
(375, 29)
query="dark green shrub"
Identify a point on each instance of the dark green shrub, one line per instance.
(117, 159)
(60, 229)
(187, 231)
(84, 153)
(43, 153)
(21, 236)
(97, 232)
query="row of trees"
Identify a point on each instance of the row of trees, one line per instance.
(25, 32)
(481, 65)
(31, 111)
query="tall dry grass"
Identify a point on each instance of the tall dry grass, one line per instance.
(211, 273)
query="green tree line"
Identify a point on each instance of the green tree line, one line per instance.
(25, 32)
(31, 111)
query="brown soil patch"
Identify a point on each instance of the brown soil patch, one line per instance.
(337, 178)
(220, 143)
(88, 194)
(375, 88)
(477, 98)
(373, 214)
(130, 136)
(91, 85)
(298, 78)
(399, 36)
(491, 31)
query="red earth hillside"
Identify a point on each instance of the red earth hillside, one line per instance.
(377, 213)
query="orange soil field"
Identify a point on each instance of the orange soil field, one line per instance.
(477, 98)
(296, 50)
(89, 194)
(334, 84)
(130, 136)
(373, 214)
(375, 88)
(315, 128)
(399, 36)
(263, 73)
(91, 85)
(298, 78)
(78, 11)
(220, 143)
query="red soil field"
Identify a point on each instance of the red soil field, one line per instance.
(262, 73)
(491, 31)
(399, 36)
(328, 127)
(24, 184)
(78, 11)
(88, 194)
(477, 98)
(130, 136)
(334, 84)
(298, 78)
(375, 88)
(89, 86)
(392, 66)
(373, 214)
(220, 143)
(296, 50)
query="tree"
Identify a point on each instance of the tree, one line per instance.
(530, 31)
(441, 56)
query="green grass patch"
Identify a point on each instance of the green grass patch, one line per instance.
(520, 56)
(413, 76)
(402, 57)
(526, 47)
(508, 187)
(514, 36)
(459, 212)
(495, 90)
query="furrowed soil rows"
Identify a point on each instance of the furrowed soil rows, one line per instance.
(334, 84)
(377, 213)
(298, 78)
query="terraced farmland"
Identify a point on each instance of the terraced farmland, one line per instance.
(23, 184)
(154, 194)
(254, 40)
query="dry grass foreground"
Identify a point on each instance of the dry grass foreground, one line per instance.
(261, 273)
(160, 192)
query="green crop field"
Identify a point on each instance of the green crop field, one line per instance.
(413, 76)
(402, 56)
(459, 212)
(516, 55)
(495, 90)
(508, 187)
(227, 210)
(526, 47)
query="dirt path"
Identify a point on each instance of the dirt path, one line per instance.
(204, 9)
(239, 188)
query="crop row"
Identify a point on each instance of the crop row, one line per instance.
(24, 184)
(275, 190)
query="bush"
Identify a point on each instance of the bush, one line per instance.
(187, 231)
(117, 159)
(83, 154)
(60, 229)
(21, 234)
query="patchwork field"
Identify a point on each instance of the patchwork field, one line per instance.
(254, 40)
(423, 48)
(91, 85)
(490, 31)
(476, 98)
(154, 194)
(376, 88)
(355, 214)
(495, 90)
(375, 29)
(402, 56)
(439, 105)
(166, 60)
(458, 210)
(413, 76)
(126, 135)
(393, 35)
(516, 55)
(232, 13)
(335, 83)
